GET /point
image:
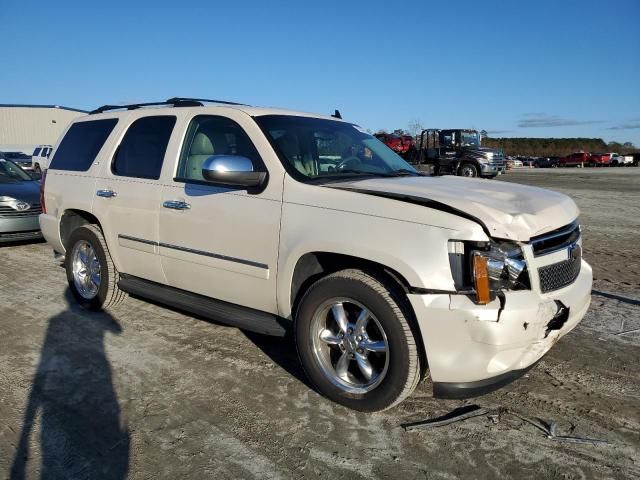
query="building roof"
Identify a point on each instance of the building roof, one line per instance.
(60, 107)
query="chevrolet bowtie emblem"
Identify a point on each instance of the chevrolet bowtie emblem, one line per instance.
(575, 252)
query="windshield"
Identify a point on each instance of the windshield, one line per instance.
(470, 139)
(319, 149)
(12, 173)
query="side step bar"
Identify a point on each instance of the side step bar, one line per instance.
(217, 310)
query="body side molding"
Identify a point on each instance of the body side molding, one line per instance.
(242, 261)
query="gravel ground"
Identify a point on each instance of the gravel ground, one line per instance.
(148, 392)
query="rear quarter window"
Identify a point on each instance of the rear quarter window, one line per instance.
(141, 152)
(81, 144)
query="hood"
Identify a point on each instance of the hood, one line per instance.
(26, 191)
(505, 210)
(482, 152)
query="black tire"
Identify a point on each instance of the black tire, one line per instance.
(37, 168)
(108, 294)
(390, 307)
(470, 167)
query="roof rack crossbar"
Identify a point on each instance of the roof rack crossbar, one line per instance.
(175, 102)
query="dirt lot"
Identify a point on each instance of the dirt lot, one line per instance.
(147, 392)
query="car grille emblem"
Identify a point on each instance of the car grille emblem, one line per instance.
(575, 252)
(22, 206)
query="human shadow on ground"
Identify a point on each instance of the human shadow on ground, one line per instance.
(73, 397)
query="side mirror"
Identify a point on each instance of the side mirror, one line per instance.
(232, 171)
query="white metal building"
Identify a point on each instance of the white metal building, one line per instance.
(22, 127)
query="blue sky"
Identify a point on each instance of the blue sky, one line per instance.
(560, 68)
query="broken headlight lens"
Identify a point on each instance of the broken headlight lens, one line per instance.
(506, 268)
(485, 268)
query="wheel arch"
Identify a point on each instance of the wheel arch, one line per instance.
(72, 219)
(313, 266)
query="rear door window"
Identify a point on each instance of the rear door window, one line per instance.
(141, 152)
(36, 152)
(81, 144)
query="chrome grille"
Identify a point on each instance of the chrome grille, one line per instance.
(559, 275)
(556, 240)
(10, 212)
(497, 160)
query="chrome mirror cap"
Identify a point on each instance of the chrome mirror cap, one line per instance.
(232, 171)
(227, 163)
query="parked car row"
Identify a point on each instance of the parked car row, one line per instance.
(584, 159)
(577, 159)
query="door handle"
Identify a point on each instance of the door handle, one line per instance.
(176, 205)
(106, 193)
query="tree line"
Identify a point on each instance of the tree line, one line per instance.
(546, 147)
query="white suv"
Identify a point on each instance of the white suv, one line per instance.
(40, 158)
(279, 221)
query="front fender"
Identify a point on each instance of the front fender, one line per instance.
(415, 251)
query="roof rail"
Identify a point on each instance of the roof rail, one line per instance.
(200, 100)
(174, 102)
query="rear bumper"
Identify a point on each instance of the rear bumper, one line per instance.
(473, 349)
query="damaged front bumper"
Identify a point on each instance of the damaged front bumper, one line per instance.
(475, 349)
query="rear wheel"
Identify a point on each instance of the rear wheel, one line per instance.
(355, 341)
(37, 168)
(469, 170)
(91, 274)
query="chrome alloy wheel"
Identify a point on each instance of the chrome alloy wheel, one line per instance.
(350, 345)
(86, 269)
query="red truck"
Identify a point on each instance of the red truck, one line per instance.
(577, 159)
(399, 144)
(599, 160)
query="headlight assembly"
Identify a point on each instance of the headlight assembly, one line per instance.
(488, 268)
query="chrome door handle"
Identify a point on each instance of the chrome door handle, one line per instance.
(107, 193)
(176, 205)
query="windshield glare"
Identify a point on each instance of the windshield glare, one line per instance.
(325, 149)
(470, 139)
(11, 173)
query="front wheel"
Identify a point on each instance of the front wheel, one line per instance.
(469, 170)
(355, 342)
(91, 274)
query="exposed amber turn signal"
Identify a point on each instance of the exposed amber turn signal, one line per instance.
(481, 279)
